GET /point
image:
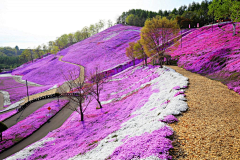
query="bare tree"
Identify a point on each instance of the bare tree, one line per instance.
(78, 92)
(98, 79)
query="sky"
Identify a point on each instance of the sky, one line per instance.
(29, 23)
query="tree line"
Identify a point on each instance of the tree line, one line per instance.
(157, 31)
(13, 57)
(193, 13)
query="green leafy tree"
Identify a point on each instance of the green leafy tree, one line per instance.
(130, 19)
(37, 51)
(71, 38)
(101, 24)
(155, 35)
(139, 52)
(226, 8)
(44, 47)
(25, 56)
(54, 50)
(130, 51)
(109, 23)
(78, 36)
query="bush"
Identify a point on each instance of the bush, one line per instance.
(3, 127)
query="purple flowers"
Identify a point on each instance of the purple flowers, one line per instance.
(214, 54)
(31, 123)
(169, 119)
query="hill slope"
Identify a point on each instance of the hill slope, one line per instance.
(106, 49)
(215, 54)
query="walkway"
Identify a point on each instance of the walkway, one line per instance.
(210, 128)
(54, 123)
(27, 111)
(1, 101)
(80, 78)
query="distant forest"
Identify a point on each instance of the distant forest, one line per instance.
(192, 14)
(9, 57)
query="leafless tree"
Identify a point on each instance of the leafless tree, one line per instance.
(78, 92)
(98, 80)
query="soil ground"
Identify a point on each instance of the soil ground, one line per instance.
(210, 128)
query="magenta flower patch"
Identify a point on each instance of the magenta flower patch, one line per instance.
(169, 119)
(149, 144)
(31, 123)
(213, 54)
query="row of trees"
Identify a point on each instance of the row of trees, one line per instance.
(203, 13)
(66, 40)
(194, 13)
(9, 57)
(226, 8)
(61, 42)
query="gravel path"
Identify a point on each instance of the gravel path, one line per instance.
(210, 128)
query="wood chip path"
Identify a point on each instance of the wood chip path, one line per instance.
(210, 128)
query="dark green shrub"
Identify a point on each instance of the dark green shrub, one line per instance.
(3, 127)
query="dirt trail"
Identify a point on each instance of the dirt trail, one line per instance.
(210, 128)
(81, 76)
(19, 80)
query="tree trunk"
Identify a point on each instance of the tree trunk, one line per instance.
(81, 112)
(234, 28)
(99, 103)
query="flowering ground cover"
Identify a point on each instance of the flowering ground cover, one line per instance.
(130, 124)
(213, 54)
(46, 71)
(7, 114)
(30, 124)
(17, 91)
(106, 49)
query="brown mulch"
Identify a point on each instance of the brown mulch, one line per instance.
(210, 128)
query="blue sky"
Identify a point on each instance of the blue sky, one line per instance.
(29, 23)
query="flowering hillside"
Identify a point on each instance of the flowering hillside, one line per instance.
(14, 91)
(137, 105)
(214, 54)
(45, 71)
(106, 49)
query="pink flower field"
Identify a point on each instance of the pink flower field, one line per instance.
(137, 104)
(214, 54)
(30, 124)
(17, 90)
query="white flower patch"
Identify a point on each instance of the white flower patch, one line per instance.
(146, 119)
(53, 87)
(5, 75)
(19, 79)
(28, 151)
(110, 36)
(132, 86)
(14, 105)
(6, 98)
